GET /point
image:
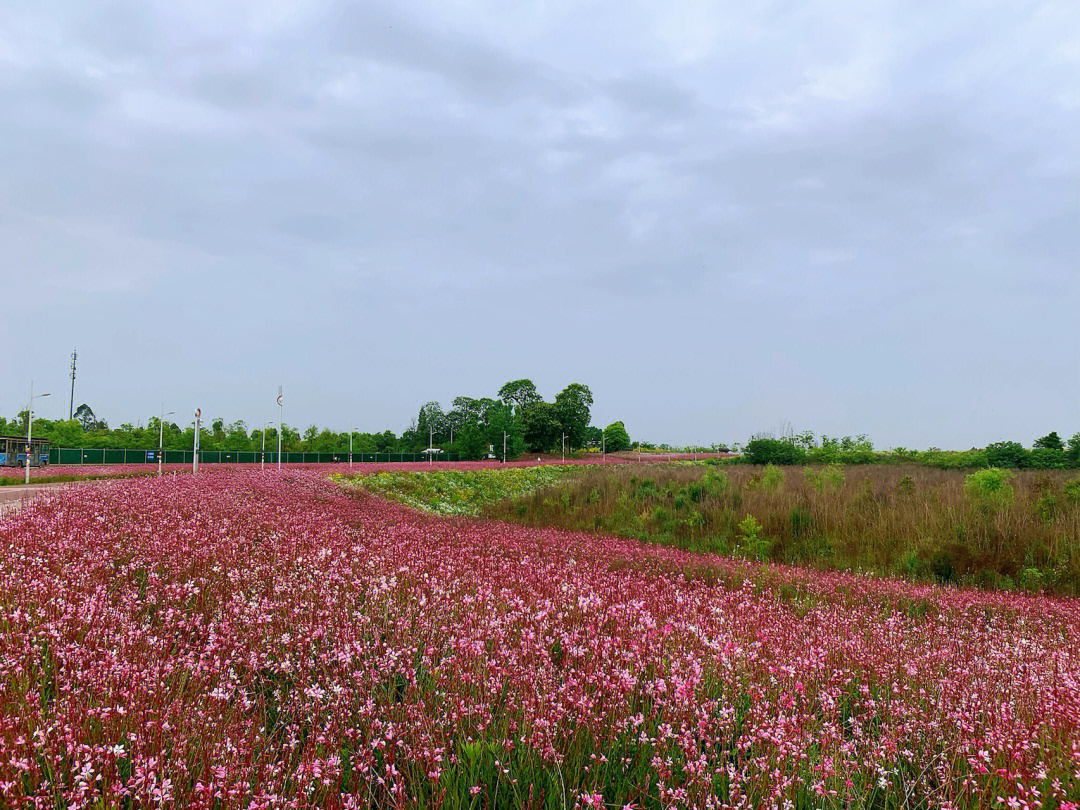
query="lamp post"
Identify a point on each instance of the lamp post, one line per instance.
(198, 430)
(279, 428)
(30, 427)
(262, 456)
(350, 447)
(161, 436)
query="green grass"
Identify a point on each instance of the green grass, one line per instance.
(459, 492)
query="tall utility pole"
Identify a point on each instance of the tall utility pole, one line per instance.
(504, 447)
(198, 430)
(279, 428)
(71, 402)
(564, 447)
(30, 429)
(161, 437)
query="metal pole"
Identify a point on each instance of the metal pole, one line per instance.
(29, 429)
(564, 448)
(71, 402)
(430, 433)
(161, 437)
(279, 428)
(603, 446)
(350, 449)
(195, 449)
(504, 447)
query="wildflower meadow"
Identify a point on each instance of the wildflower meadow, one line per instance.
(265, 640)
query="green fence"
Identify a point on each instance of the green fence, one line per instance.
(86, 455)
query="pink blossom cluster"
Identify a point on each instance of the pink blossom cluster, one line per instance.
(265, 641)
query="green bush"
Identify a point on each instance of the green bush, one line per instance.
(1047, 508)
(773, 451)
(906, 486)
(1072, 490)
(990, 488)
(772, 479)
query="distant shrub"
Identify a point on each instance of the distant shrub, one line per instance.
(714, 483)
(1072, 490)
(906, 486)
(1047, 508)
(772, 479)
(828, 479)
(1047, 458)
(773, 451)
(990, 488)
(1007, 454)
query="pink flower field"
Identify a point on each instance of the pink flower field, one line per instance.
(126, 470)
(254, 640)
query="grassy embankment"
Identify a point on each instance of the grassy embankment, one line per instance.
(460, 492)
(1013, 531)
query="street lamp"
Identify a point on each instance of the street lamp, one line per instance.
(161, 436)
(262, 457)
(30, 427)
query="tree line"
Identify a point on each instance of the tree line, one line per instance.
(1048, 452)
(472, 428)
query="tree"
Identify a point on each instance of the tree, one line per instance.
(1051, 441)
(501, 418)
(432, 422)
(519, 393)
(1007, 454)
(1072, 455)
(763, 450)
(471, 444)
(541, 427)
(85, 416)
(616, 438)
(572, 406)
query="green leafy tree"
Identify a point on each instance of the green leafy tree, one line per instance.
(1007, 454)
(616, 438)
(541, 426)
(501, 418)
(1072, 453)
(1051, 441)
(84, 414)
(519, 393)
(572, 408)
(472, 444)
(765, 450)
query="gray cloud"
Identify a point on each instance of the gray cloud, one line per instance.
(851, 219)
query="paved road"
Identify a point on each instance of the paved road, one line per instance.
(11, 498)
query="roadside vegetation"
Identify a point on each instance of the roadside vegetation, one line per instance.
(992, 528)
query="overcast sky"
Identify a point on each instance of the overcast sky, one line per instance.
(853, 217)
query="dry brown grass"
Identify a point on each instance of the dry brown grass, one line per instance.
(911, 521)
